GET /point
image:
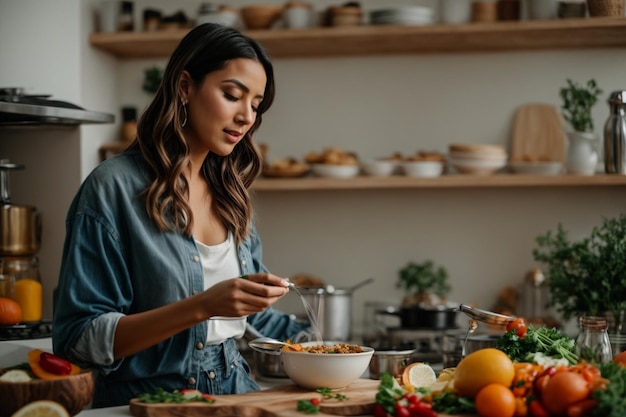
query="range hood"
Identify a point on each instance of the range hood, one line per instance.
(17, 108)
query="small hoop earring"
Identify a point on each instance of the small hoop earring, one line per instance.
(184, 110)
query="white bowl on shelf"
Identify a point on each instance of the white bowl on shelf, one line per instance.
(422, 168)
(378, 167)
(335, 171)
(536, 168)
(478, 167)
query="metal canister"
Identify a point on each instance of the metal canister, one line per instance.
(615, 134)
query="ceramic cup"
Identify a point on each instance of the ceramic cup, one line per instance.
(542, 9)
(297, 17)
(109, 15)
(455, 11)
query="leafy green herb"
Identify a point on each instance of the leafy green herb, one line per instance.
(389, 391)
(328, 394)
(538, 340)
(586, 278)
(577, 104)
(452, 403)
(161, 396)
(306, 406)
(418, 279)
(611, 401)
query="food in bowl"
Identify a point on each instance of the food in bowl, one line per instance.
(325, 364)
(45, 377)
(422, 168)
(379, 167)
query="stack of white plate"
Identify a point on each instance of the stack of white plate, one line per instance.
(402, 15)
(478, 159)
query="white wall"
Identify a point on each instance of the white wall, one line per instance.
(371, 105)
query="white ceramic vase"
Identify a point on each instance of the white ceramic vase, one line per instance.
(582, 156)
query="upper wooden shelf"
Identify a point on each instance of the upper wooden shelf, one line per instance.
(377, 40)
(445, 181)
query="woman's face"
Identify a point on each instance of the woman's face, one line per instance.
(224, 107)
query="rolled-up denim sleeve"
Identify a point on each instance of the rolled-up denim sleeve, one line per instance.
(95, 344)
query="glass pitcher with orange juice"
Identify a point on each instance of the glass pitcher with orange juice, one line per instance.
(27, 288)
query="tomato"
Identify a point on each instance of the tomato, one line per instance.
(379, 411)
(620, 358)
(519, 325)
(581, 408)
(564, 390)
(315, 401)
(536, 409)
(495, 400)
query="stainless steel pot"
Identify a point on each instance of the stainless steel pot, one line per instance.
(268, 365)
(20, 225)
(390, 361)
(416, 317)
(334, 309)
(20, 230)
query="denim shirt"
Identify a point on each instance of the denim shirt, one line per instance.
(116, 262)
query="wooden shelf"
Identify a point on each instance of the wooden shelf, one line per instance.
(446, 181)
(386, 40)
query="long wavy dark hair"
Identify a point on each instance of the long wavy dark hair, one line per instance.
(206, 48)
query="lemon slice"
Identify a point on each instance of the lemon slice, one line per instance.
(15, 375)
(42, 408)
(419, 375)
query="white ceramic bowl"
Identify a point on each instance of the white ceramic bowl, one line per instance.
(331, 370)
(422, 168)
(537, 168)
(335, 171)
(478, 167)
(379, 168)
(479, 156)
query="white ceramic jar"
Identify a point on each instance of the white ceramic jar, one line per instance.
(455, 11)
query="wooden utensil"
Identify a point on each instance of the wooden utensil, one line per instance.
(537, 134)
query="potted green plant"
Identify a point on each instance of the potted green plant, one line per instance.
(578, 101)
(423, 305)
(423, 283)
(587, 277)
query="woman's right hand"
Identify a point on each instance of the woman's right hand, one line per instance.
(239, 297)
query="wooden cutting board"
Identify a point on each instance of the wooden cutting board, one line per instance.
(274, 402)
(538, 132)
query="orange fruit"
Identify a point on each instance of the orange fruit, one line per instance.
(495, 400)
(620, 358)
(10, 311)
(562, 390)
(481, 368)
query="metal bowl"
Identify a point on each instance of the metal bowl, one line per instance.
(392, 361)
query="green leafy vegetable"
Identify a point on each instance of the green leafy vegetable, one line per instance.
(538, 340)
(452, 403)
(161, 396)
(306, 406)
(611, 401)
(389, 392)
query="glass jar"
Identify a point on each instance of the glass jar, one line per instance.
(593, 343)
(27, 289)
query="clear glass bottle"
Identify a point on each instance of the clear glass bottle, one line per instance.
(27, 288)
(593, 343)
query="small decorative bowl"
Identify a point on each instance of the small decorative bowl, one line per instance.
(260, 16)
(335, 171)
(422, 168)
(379, 168)
(74, 392)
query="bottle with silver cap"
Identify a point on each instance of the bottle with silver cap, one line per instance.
(615, 134)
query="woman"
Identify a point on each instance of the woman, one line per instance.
(150, 291)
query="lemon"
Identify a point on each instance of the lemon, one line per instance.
(15, 375)
(418, 375)
(42, 408)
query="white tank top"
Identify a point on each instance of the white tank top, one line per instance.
(219, 263)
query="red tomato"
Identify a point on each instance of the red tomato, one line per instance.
(519, 325)
(315, 401)
(582, 408)
(536, 409)
(564, 390)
